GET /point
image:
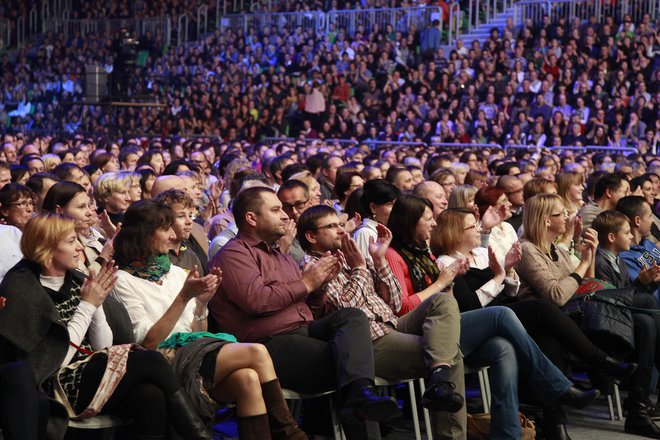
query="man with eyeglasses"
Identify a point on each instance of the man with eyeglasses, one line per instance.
(416, 345)
(263, 298)
(294, 196)
(513, 189)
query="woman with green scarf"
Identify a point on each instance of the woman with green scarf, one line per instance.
(168, 310)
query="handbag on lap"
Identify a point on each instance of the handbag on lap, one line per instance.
(604, 314)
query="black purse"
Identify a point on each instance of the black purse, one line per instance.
(604, 314)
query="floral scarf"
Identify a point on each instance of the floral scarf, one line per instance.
(421, 267)
(152, 270)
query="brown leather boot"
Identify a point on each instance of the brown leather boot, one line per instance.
(282, 424)
(253, 428)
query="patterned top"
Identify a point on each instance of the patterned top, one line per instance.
(356, 288)
(66, 302)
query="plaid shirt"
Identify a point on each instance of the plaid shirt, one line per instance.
(356, 288)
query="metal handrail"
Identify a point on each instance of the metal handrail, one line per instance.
(182, 26)
(202, 20)
(350, 19)
(582, 10)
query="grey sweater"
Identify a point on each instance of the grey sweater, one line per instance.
(544, 277)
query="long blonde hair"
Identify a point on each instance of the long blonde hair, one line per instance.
(565, 180)
(460, 195)
(535, 215)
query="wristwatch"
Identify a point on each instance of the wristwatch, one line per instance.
(201, 317)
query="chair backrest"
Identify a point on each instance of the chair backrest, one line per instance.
(119, 321)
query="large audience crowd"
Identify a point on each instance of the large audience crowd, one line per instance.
(547, 84)
(243, 267)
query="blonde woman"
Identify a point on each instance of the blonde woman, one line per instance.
(132, 179)
(313, 186)
(67, 322)
(51, 161)
(546, 270)
(463, 197)
(570, 186)
(111, 192)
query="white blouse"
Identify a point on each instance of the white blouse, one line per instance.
(147, 301)
(491, 289)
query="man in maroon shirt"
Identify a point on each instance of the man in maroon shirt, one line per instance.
(262, 298)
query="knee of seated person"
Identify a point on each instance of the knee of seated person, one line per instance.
(149, 395)
(353, 314)
(644, 323)
(152, 358)
(504, 313)
(500, 351)
(257, 352)
(246, 382)
(444, 301)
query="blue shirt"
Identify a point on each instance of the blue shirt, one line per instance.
(642, 256)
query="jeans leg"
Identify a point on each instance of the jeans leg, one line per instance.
(478, 325)
(500, 356)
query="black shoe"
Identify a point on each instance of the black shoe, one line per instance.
(556, 432)
(367, 405)
(184, 418)
(577, 398)
(619, 371)
(638, 422)
(442, 397)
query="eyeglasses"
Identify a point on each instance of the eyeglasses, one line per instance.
(564, 213)
(476, 226)
(330, 226)
(23, 205)
(297, 205)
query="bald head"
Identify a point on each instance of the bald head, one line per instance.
(434, 193)
(163, 183)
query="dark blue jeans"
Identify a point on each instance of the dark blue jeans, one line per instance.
(494, 337)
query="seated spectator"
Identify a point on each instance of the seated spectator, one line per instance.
(40, 183)
(378, 197)
(71, 199)
(411, 223)
(608, 191)
(72, 310)
(163, 300)
(112, 196)
(266, 279)
(182, 206)
(16, 205)
(614, 237)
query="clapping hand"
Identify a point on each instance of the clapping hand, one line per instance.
(286, 241)
(3, 301)
(351, 253)
(491, 218)
(494, 263)
(590, 245)
(106, 224)
(512, 257)
(378, 247)
(201, 288)
(650, 274)
(321, 271)
(577, 227)
(96, 287)
(448, 273)
(353, 223)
